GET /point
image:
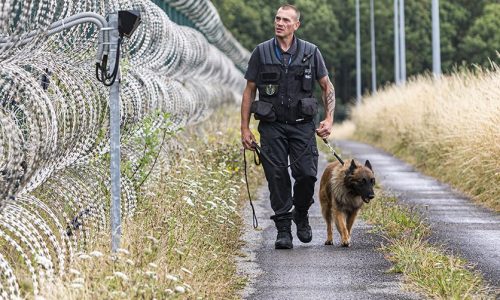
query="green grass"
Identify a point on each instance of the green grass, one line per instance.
(426, 268)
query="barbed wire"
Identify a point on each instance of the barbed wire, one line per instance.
(54, 118)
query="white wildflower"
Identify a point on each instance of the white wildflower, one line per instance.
(180, 289)
(188, 200)
(130, 262)
(172, 277)
(187, 271)
(76, 286)
(84, 256)
(96, 254)
(212, 204)
(44, 261)
(191, 150)
(153, 265)
(169, 291)
(150, 274)
(74, 272)
(153, 239)
(121, 275)
(123, 251)
(119, 294)
(79, 280)
(178, 251)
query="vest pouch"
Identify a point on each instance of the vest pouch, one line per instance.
(308, 107)
(263, 111)
(307, 80)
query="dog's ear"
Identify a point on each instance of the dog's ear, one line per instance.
(368, 165)
(352, 167)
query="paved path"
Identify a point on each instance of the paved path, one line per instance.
(315, 271)
(465, 228)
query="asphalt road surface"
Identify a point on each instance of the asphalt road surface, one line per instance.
(464, 228)
(313, 270)
(316, 271)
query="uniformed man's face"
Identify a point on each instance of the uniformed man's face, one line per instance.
(285, 22)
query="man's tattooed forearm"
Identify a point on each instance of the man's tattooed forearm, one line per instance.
(330, 100)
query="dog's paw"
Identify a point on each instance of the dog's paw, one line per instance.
(329, 242)
(345, 243)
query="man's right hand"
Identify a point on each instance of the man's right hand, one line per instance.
(247, 139)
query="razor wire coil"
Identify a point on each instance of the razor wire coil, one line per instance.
(54, 116)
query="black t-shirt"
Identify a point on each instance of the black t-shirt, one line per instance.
(254, 62)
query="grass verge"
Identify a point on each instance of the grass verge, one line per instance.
(185, 235)
(426, 268)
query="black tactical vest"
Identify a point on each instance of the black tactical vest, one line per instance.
(289, 88)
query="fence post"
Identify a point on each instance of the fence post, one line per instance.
(114, 128)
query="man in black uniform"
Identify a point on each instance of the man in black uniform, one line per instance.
(284, 70)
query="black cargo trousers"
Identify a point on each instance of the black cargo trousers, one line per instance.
(279, 141)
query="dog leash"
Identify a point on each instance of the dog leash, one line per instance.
(333, 151)
(255, 222)
(257, 154)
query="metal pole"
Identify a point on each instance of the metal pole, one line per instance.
(114, 116)
(396, 44)
(436, 43)
(402, 42)
(372, 34)
(358, 57)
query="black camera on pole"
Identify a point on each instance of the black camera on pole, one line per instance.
(128, 21)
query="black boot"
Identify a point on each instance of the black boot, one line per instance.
(301, 219)
(284, 237)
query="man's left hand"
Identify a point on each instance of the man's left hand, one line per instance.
(325, 128)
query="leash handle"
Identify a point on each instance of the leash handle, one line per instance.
(333, 151)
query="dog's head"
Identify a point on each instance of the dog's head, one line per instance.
(361, 180)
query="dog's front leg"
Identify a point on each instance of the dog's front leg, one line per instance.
(350, 221)
(329, 232)
(340, 222)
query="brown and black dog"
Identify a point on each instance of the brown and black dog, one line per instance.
(343, 190)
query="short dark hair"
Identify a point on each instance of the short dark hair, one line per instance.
(289, 6)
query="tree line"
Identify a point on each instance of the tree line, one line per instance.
(470, 35)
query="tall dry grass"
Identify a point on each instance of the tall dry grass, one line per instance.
(448, 128)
